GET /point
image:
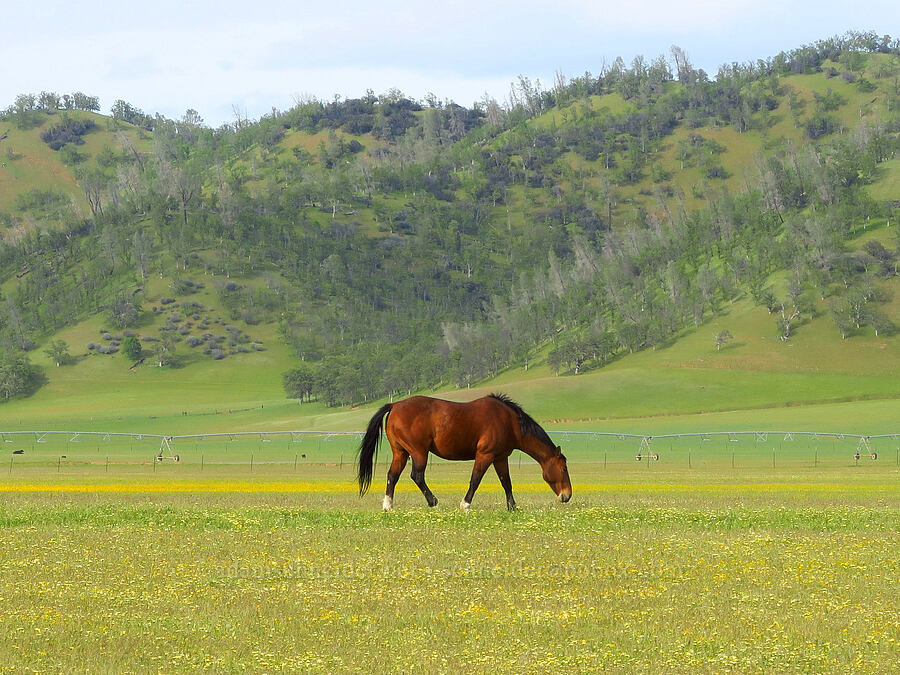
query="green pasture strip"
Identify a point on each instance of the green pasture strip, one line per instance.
(670, 446)
(857, 417)
(588, 516)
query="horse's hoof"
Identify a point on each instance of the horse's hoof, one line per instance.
(464, 505)
(387, 504)
(432, 504)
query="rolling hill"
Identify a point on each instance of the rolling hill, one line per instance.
(638, 250)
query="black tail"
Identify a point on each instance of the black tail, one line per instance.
(368, 449)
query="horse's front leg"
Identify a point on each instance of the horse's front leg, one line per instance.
(501, 466)
(482, 462)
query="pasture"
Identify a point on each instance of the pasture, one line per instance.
(708, 559)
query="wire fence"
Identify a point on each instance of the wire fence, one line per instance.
(294, 449)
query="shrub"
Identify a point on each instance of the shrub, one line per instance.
(71, 157)
(717, 171)
(820, 125)
(132, 348)
(67, 131)
(184, 286)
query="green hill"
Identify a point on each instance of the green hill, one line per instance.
(641, 249)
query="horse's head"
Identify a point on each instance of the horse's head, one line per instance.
(556, 473)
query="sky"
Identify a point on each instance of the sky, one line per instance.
(228, 58)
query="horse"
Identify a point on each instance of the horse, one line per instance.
(486, 430)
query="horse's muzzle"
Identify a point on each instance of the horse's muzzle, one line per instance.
(565, 496)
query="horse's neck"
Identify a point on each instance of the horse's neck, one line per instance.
(537, 450)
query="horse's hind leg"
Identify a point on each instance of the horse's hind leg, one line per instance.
(420, 461)
(501, 466)
(396, 468)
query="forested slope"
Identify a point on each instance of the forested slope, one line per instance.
(565, 228)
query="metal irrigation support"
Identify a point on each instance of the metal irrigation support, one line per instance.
(646, 452)
(168, 443)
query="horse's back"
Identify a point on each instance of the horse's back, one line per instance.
(450, 429)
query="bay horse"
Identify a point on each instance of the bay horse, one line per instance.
(486, 430)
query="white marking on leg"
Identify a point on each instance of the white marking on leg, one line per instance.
(388, 503)
(464, 505)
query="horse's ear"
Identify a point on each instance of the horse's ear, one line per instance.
(558, 451)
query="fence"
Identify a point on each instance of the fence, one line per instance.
(293, 449)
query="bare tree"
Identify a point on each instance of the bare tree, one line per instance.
(722, 337)
(141, 251)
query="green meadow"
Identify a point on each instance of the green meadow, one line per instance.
(276, 569)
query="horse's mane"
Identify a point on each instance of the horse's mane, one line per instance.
(527, 425)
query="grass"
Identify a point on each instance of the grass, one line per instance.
(752, 570)
(97, 457)
(887, 184)
(134, 400)
(28, 163)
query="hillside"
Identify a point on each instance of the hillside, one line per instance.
(650, 241)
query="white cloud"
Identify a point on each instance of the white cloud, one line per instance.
(666, 15)
(210, 55)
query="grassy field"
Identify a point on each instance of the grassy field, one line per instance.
(650, 568)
